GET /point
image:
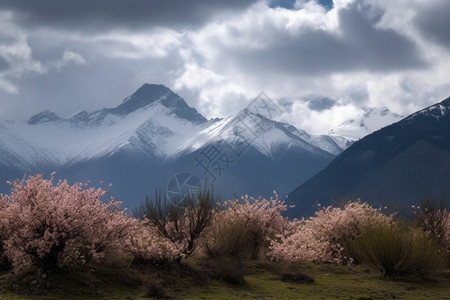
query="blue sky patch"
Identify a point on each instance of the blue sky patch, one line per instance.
(289, 4)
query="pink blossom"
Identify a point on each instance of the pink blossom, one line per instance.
(320, 238)
(49, 225)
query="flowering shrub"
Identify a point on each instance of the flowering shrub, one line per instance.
(326, 237)
(48, 226)
(147, 245)
(260, 216)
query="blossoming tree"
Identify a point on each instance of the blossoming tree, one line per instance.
(49, 225)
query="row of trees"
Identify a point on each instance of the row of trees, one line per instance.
(48, 225)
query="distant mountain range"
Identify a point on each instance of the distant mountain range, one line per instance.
(153, 139)
(395, 166)
(371, 120)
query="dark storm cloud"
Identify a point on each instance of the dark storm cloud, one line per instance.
(92, 86)
(360, 46)
(433, 21)
(109, 14)
(290, 4)
(4, 64)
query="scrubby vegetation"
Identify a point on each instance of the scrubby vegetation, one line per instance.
(53, 233)
(398, 250)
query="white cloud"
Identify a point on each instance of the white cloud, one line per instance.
(359, 53)
(382, 60)
(319, 122)
(217, 96)
(68, 57)
(15, 50)
(122, 44)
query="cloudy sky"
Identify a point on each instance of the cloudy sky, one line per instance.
(69, 55)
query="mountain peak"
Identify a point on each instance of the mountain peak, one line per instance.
(148, 94)
(145, 95)
(372, 119)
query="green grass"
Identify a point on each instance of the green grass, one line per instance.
(330, 283)
(261, 282)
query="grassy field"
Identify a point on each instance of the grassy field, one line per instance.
(263, 280)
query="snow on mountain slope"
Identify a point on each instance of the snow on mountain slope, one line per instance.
(371, 120)
(250, 129)
(437, 111)
(323, 142)
(19, 152)
(153, 122)
(150, 130)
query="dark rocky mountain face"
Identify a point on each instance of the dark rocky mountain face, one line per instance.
(395, 166)
(150, 93)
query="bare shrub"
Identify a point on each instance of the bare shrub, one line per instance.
(434, 218)
(226, 238)
(397, 250)
(183, 222)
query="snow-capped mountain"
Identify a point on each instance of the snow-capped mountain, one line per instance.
(152, 122)
(266, 136)
(153, 135)
(371, 120)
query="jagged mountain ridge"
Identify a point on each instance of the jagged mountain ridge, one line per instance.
(265, 135)
(153, 121)
(153, 125)
(146, 95)
(154, 135)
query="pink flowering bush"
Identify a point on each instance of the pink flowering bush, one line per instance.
(50, 226)
(147, 245)
(261, 217)
(327, 237)
(5, 262)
